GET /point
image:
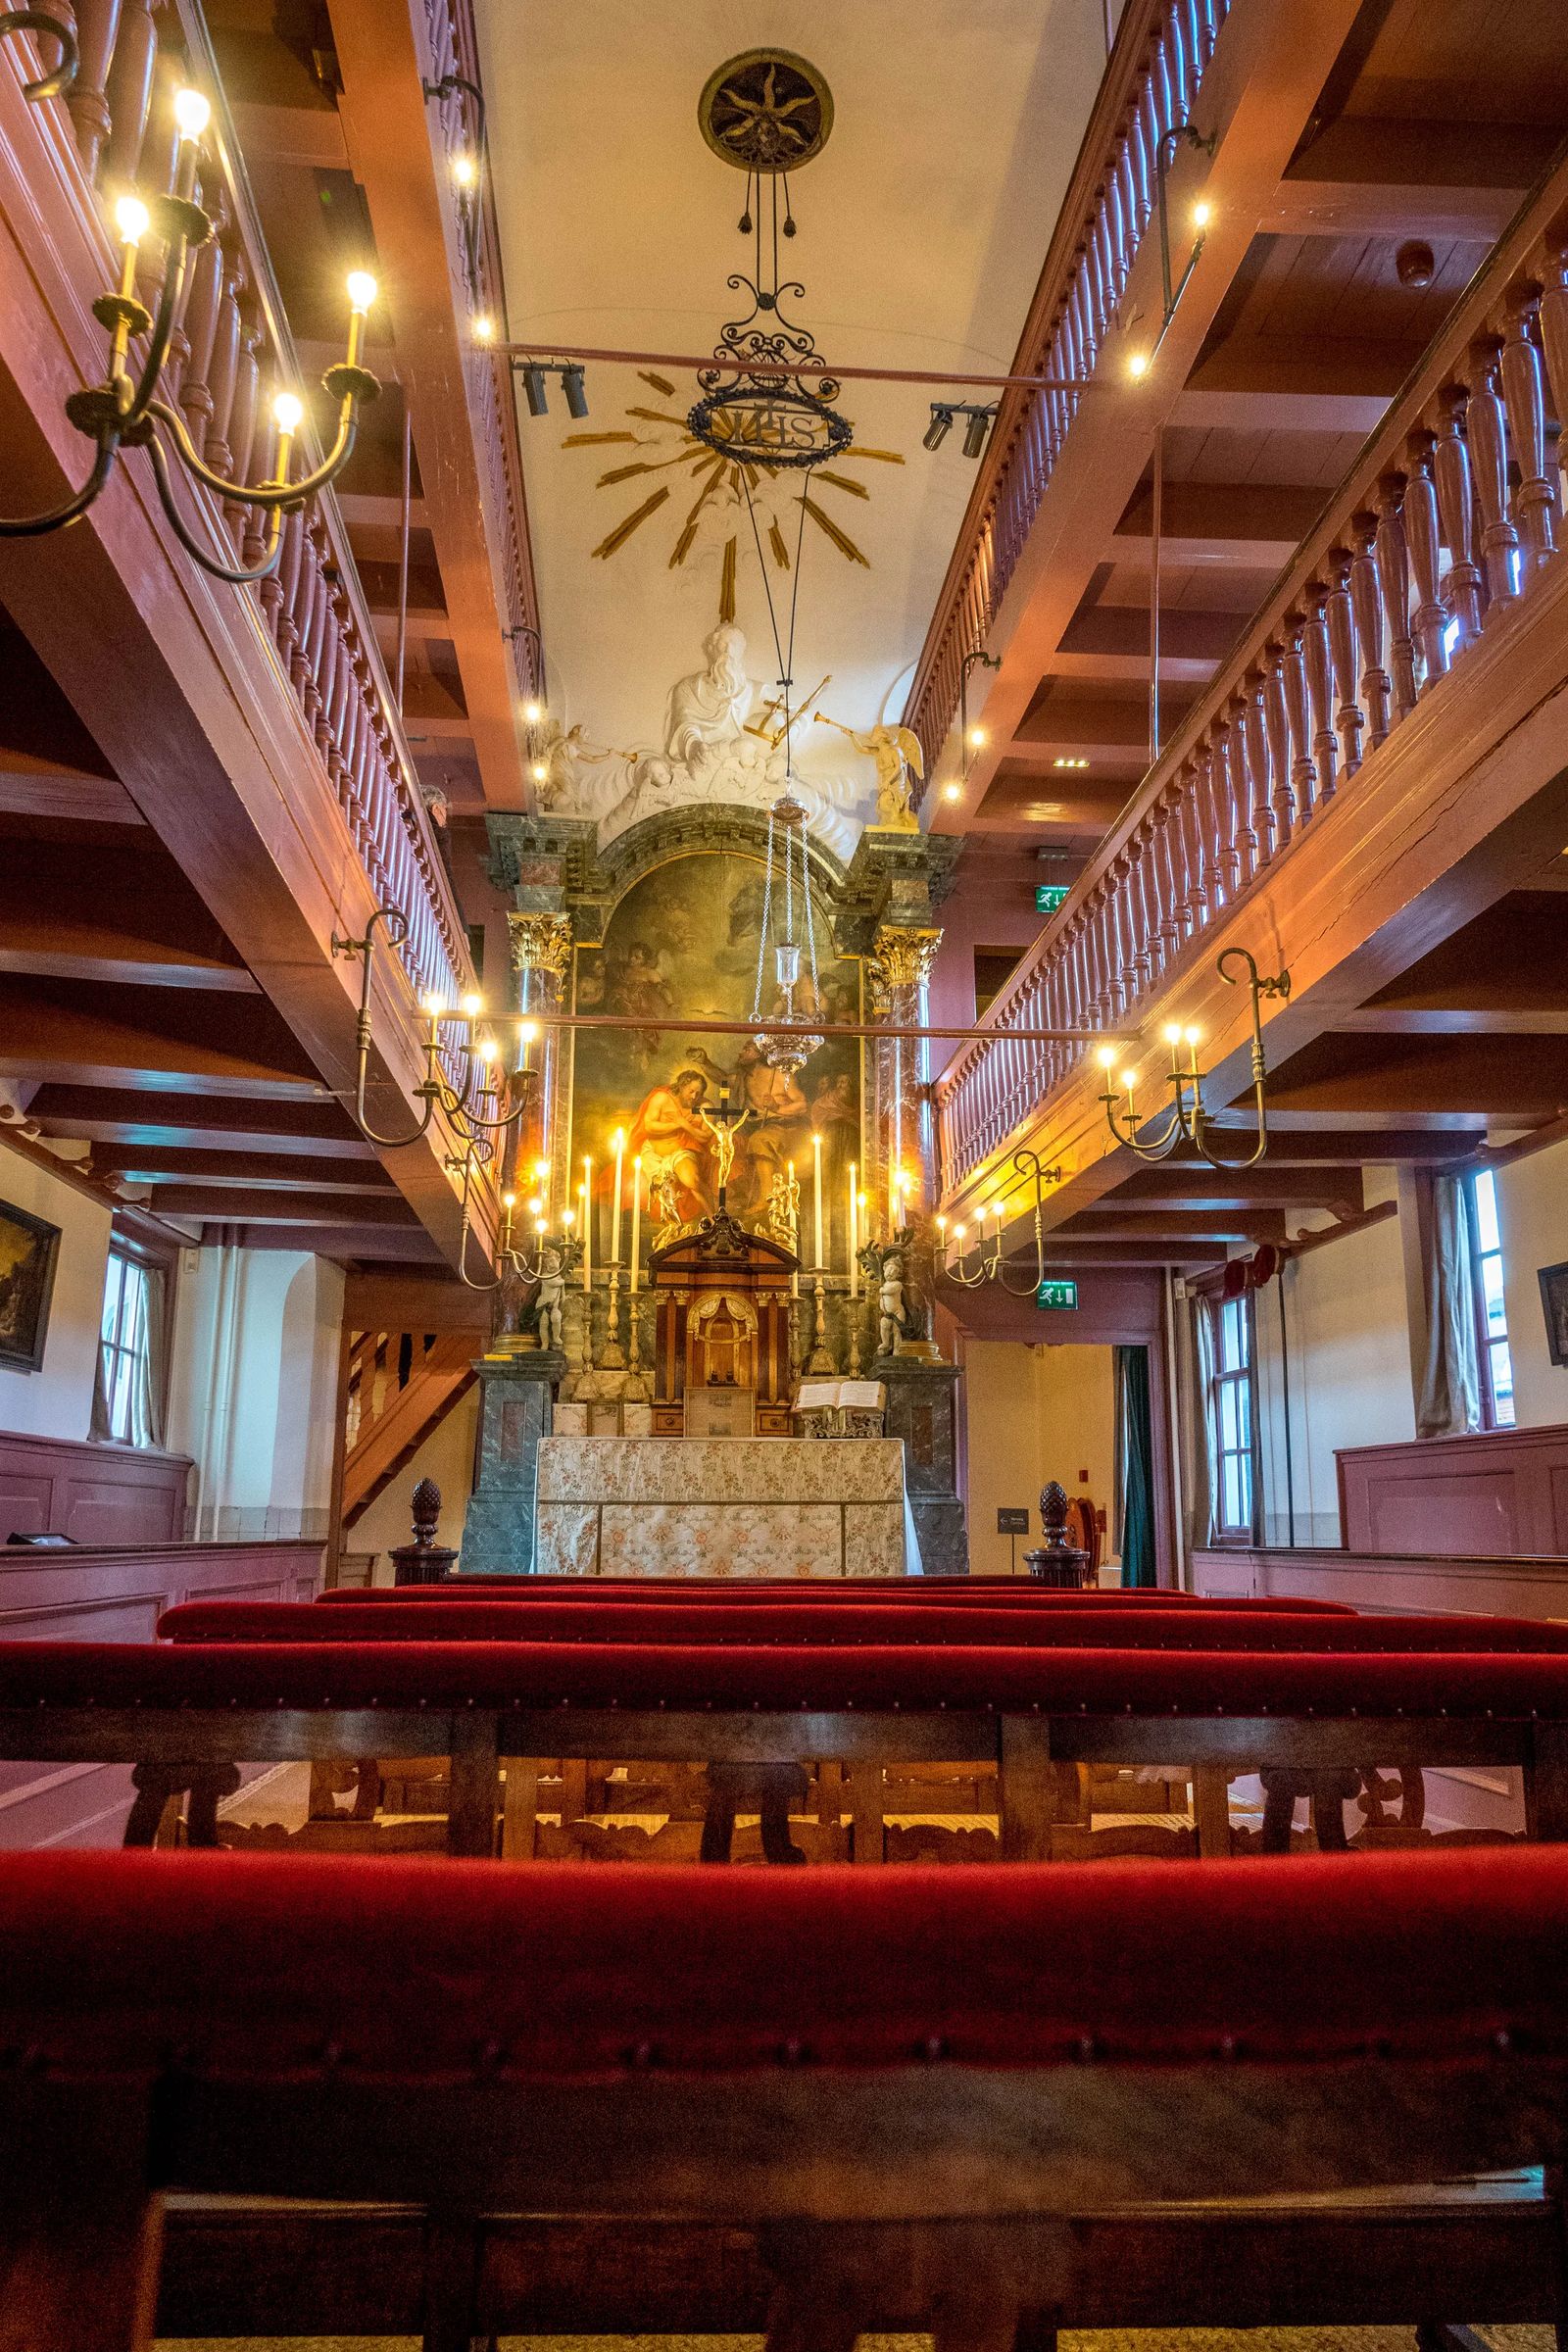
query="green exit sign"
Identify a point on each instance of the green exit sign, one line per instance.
(1056, 1294)
(1048, 896)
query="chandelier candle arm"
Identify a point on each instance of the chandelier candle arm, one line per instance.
(38, 20)
(1189, 1121)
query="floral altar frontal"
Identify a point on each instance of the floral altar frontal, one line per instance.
(721, 1506)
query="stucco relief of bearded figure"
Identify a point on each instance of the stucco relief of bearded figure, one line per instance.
(707, 710)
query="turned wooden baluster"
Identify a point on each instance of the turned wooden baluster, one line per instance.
(1126, 204)
(97, 27)
(1144, 919)
(1456, 514)
(204, 287)
(128, 99)
(1180, 44)
(331, 663)
(1316, 648)
(223, 365)
(279, 592)
(312, 605)
(1166, 111)
(1524, 397)
(1554, 327)
(1173, 927)
(1190, 819)
(1207, 822)
(1367, 605)
(1421, 538)
(1488, 455)
(1141, 155)
(1394, 576)
(1242, 839)
(1277, 720)
(1259, 768)
(1303, 771)
(247, 435)
(1347, 718)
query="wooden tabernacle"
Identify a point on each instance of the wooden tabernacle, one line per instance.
(722, 1332)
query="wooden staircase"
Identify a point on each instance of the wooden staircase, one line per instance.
(400, 1384)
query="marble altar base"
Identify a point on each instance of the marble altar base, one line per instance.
(717, 1507)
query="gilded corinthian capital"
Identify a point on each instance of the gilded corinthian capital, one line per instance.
(541, 943)
(904, 957)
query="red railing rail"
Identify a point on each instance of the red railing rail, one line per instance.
(1151, 84)
(1449, 516)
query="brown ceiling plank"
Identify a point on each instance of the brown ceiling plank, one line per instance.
(1392, 176)
(1255, 524)
(38, 788)
(347, 1244)
(290, 1171)
(175, 1120)
(472, 489)
(1174, 1227)
(240, 1206)
(1183, 1187)
(90, 1037)
(57, 949)
(307, 138)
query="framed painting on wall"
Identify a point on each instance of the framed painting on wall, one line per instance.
(1553, 1281)
(29, 1250)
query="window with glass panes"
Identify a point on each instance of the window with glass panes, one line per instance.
(1491, 1317)
(124, 1341)
(1232, 1406)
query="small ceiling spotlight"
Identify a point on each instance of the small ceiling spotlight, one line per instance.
(533, 390)
(940, 427)
(1069, 763)
(572, 383)
(976, 428)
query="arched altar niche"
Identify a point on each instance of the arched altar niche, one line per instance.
(723, 1334)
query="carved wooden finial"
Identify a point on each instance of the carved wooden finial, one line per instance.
(426, 1507)
(1054, 1514)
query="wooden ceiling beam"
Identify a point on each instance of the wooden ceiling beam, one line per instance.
(240, 1206)
(1373, 175)
(1257, 526)
(460, 400)
(346, 1245)
(1374, 1079)
(54, 949)
(1173, 1227)
(1182, 1186)
(1274, 383)
(307, 138)
(161, 1164)
(39, 788)
(117, 1037)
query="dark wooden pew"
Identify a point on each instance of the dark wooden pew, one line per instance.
(973, 2102)
(188, 1715)
(717, 1625)
(944, 1593)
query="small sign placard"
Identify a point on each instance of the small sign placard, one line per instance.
(1048, 896)
(1057, 1292)
(1012, 1523)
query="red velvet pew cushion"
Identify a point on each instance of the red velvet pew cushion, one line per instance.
(450, 1674)
(254, 1967)
(922, 1625)
(911, 1592)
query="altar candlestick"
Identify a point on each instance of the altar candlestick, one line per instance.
(795, 1235)
(587, 1222)
(816, 1196)
(855, 1268)
(618, 1146)
(636, 1212)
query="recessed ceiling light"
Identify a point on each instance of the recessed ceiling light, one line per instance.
(1069, 763)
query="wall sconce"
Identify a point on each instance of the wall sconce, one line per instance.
(36, 20)
(1187, 1121)
(119, 412)
(990, 1265)
(970, 738)
(1164, 157)
(487, 1103)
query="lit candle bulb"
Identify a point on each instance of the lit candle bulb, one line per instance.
(192, 114)
(362, 293)
(636, 1212)
(618, 1144)
(435, 1007)
(1129, 1079)
(132, 220)
(288, 414)
(1192, 1050)
(1173, 1038)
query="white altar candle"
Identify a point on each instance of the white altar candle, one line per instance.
(855, 1268)
(636, 1212)
(818, 1235)
(795, 1235)
(587, 1221)
(618, 1146)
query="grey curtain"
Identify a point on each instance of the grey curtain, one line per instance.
(1451, 1385)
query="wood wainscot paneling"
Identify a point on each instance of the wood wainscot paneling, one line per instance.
(94, 1492)
(1487, 1798)
(117, 1593)
(1493, 1497)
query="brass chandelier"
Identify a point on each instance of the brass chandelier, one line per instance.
(989, 1264)
(125, 411)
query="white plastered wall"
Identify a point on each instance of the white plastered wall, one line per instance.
(1034, 1413)
(56, 1401)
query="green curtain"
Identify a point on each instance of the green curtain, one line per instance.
(1135, 1458)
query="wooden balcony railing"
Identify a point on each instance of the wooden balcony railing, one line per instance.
(231, 351)
(1448, 518)
(1152, 80)
(455, 52)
